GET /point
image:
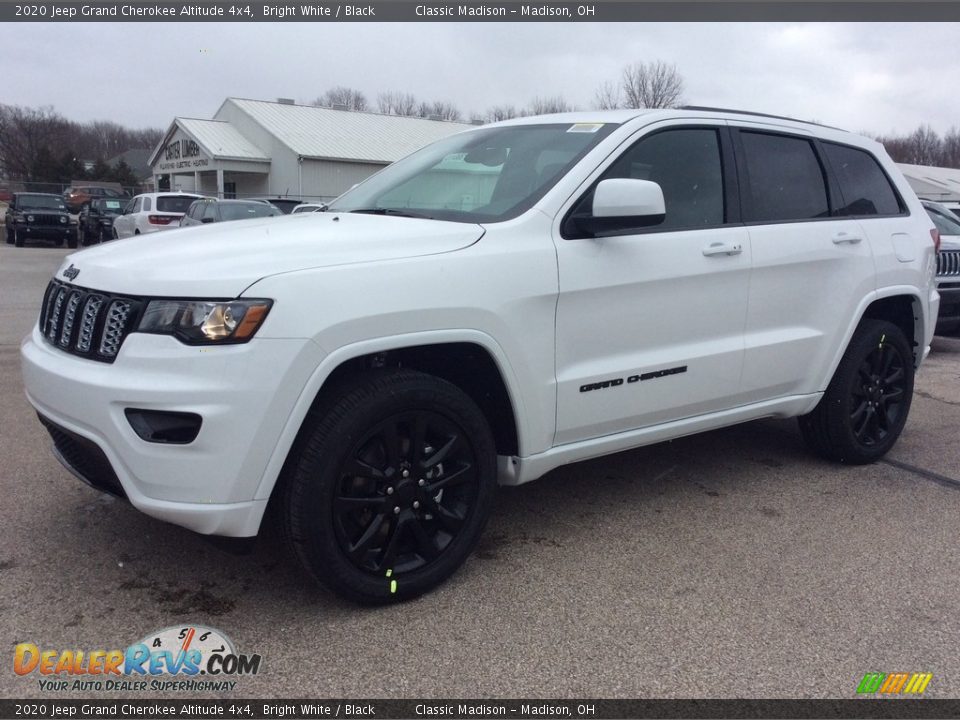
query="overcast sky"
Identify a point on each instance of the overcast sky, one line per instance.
(878, 78)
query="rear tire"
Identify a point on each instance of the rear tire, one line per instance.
(389, 486)
(865, 407)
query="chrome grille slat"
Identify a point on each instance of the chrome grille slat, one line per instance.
(113, 327)
(948, 263)
(55, 314)
(69, 315)
(87, 322)
(90, 324)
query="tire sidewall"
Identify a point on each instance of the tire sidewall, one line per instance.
(318, 471)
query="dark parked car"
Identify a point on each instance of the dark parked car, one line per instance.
(285, 204)
(96, 219)
(38, 216)
(79, 195)
(212, 210)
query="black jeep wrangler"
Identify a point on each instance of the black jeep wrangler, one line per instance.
(39, 216)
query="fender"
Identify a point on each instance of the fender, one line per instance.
(366, 347)
(890, 291)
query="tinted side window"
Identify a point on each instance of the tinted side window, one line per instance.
(147, 204)
(686, 164)
(785, 180)
(137, 204)
(863, 184)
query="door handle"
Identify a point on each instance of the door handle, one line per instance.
(841, 237)
(719, 248)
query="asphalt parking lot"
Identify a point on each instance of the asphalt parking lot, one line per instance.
(730, 564)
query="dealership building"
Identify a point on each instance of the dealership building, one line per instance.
(255, 147)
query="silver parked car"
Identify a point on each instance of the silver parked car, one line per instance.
(211, 210)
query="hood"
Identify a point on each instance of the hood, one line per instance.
(222, 259)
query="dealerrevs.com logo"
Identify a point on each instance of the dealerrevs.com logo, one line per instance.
(189, 658)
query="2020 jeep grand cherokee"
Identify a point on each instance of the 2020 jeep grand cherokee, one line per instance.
(507, 300)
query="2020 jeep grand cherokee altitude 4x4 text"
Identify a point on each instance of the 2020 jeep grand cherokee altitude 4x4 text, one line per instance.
(507, 300)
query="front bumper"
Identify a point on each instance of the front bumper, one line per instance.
(948, 319)
(244, 394)
(46, 232)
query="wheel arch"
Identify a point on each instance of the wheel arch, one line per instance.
(899, 305)
(471, 360)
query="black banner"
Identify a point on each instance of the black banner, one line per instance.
(457, 709)
(503, 11)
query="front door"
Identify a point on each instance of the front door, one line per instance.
(650, 321)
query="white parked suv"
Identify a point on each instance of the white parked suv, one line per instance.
(507, 300)
(150, 212)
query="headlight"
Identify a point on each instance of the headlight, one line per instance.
(63, 219)
(204, 322)
(29, 218)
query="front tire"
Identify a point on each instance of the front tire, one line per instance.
(17, 238)
(865, 407)
(389, 486)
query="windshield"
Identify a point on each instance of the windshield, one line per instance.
(174, 203)
(239, 211)
(945, 224)
(486, 175)
(40, 202)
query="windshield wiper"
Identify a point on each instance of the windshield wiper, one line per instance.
(392, 211)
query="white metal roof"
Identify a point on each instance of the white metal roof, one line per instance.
(934, 183)
(218, 139)
(317, 132)
(221, 139)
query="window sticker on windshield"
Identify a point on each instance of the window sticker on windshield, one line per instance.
(113, 204)
(585, 127)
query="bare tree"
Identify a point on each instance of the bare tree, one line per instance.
(924, 146)
(343, 96)
(607, 96)
(29, 139)
(397, 103)
(951, 148)
(652, 85)
(543, 106)
(439, 110)
(501, 112)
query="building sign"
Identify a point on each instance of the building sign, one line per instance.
(181, 154)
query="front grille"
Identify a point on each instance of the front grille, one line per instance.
(46, 218)
(948, 262)
(85, 322)
(84, 458)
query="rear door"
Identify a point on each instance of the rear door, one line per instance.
(650, 320)
(811, 265)
(124, 224)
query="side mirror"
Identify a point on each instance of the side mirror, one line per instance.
(622, 204)
(625, 197)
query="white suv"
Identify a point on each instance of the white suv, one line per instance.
(151, 212)
(504, 301)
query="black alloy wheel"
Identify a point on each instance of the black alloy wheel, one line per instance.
(878, 398)
(405, 491)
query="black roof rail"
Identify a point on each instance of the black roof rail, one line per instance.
(757, 114)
